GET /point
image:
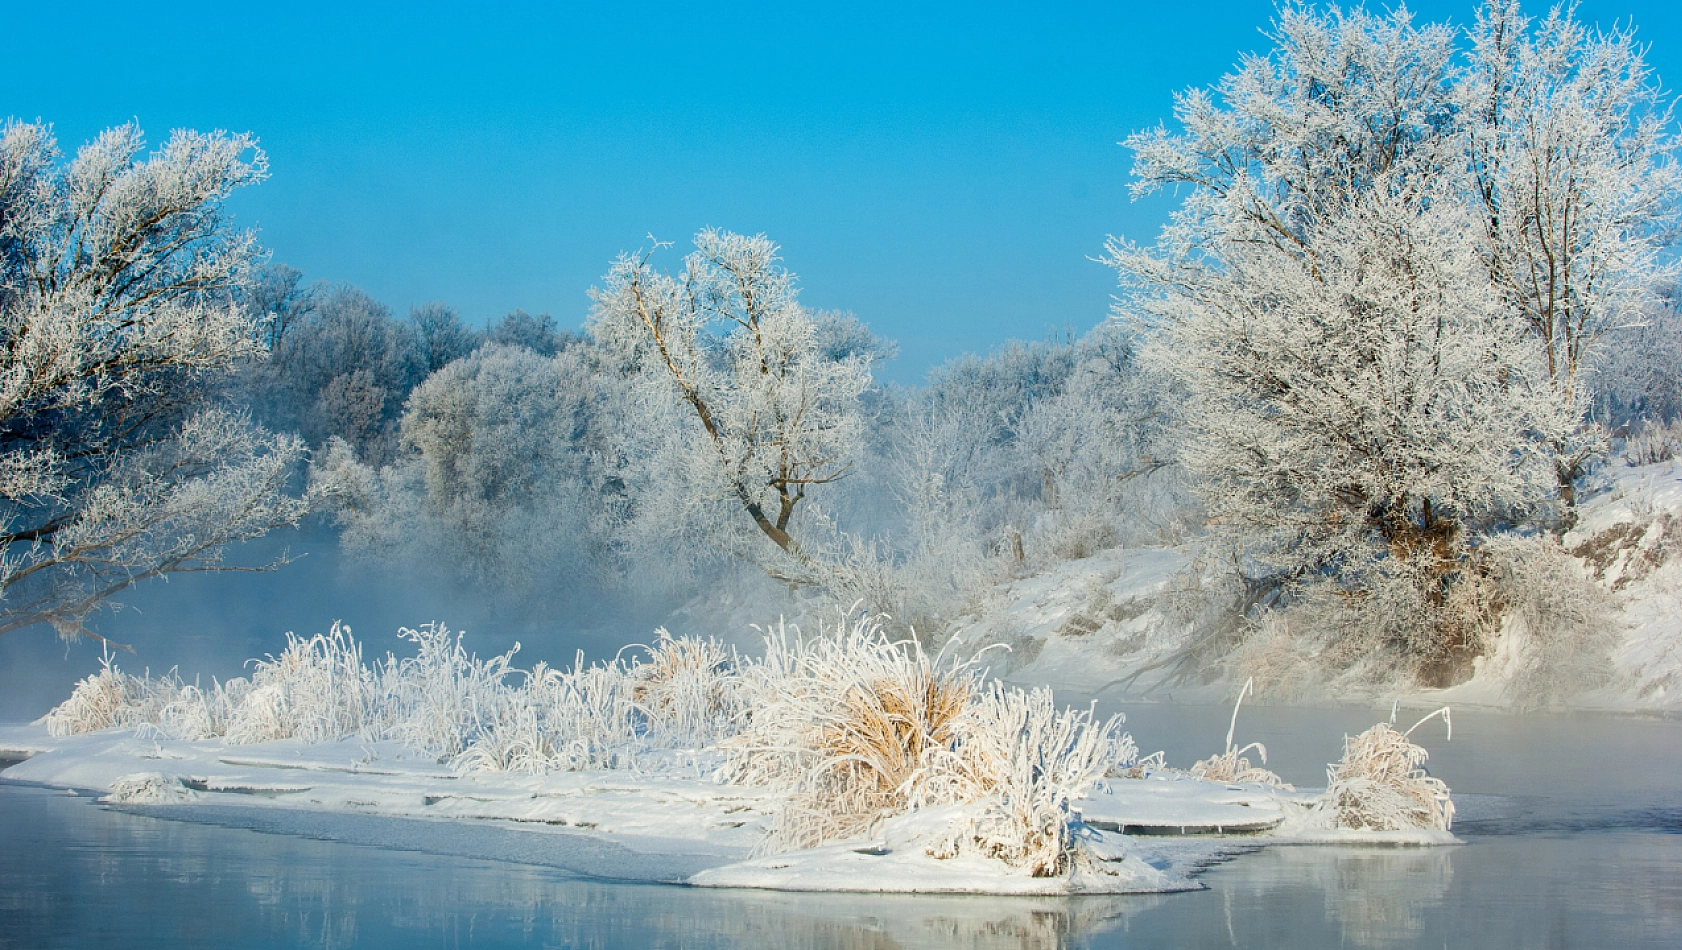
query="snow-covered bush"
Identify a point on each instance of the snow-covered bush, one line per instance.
(1025, 761)
(149, 788)
(853, 725)
(1380, 784)
(685, 690)
(581, 718)
(846, 721)
(163, 706)
(443, 697)
(1655, 441)
(104, 700)
(859, 727)
(316, 690)
(1557, 619)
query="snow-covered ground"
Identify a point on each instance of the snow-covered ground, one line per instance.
(671, 823)
(1628, 539)
(1112, 624)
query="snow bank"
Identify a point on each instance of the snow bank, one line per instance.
(842, 761)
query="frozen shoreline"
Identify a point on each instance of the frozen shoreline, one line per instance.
(673, 825)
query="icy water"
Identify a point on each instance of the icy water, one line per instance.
(1572, 824)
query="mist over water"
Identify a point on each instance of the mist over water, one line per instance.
(209, 625)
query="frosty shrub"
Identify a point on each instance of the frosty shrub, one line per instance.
(581, 718)
(164, 706)
(685, 690)
(852, 724)
(1381, 786)
(1025, 760)
(104, 700)
(1277, 658)
(859, 727)
(443, 697)
(1654, 442)
(316, 690)
(1558, 618)
(847, 721)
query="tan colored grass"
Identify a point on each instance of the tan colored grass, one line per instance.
(1232, 766)
(685, 689)
(1381, 785)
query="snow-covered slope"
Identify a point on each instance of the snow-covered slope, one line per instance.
(1629, 540)
(1112, 624)
(1087, 625)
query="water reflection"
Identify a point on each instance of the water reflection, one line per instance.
(77, 875)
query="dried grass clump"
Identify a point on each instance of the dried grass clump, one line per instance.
(1381, 786)
(316, 690)
(559, 720)
(686, 690)
(1027, 761)
(1232, 766)
(846, 721)
(104, 700)
(164, 706)
(443, 698)
(859, 727)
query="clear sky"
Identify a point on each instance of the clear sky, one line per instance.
(945, 173)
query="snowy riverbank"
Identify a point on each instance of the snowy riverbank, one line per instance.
(672, 823)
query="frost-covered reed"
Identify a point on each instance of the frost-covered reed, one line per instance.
(1232, 765)
(859, 727)
(853, 725)
(1381, 785)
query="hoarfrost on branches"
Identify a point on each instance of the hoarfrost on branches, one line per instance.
(772, 403)
(119, 305)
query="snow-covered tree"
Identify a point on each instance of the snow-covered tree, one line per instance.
(1571, 151)
(441, 335)
(1372, 389)
(1637, 380)
(343, 370)
(768, 400)
(120, 305)
(1359, 390)
(495, 486)
(538, 334)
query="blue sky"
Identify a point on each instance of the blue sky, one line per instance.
(945, 172)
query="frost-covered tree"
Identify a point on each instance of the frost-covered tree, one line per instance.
(497, 484)
(1571, 151)
(765, 413)
(1360, 392)
(441, 335)
(1637, 379)
(343, 371)
(120, 305)
(1098, 447)
(538, 334)
(1372, 389)
(277, 294)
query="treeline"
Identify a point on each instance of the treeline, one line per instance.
(530, 459)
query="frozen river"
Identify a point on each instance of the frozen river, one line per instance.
(1572, 824)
